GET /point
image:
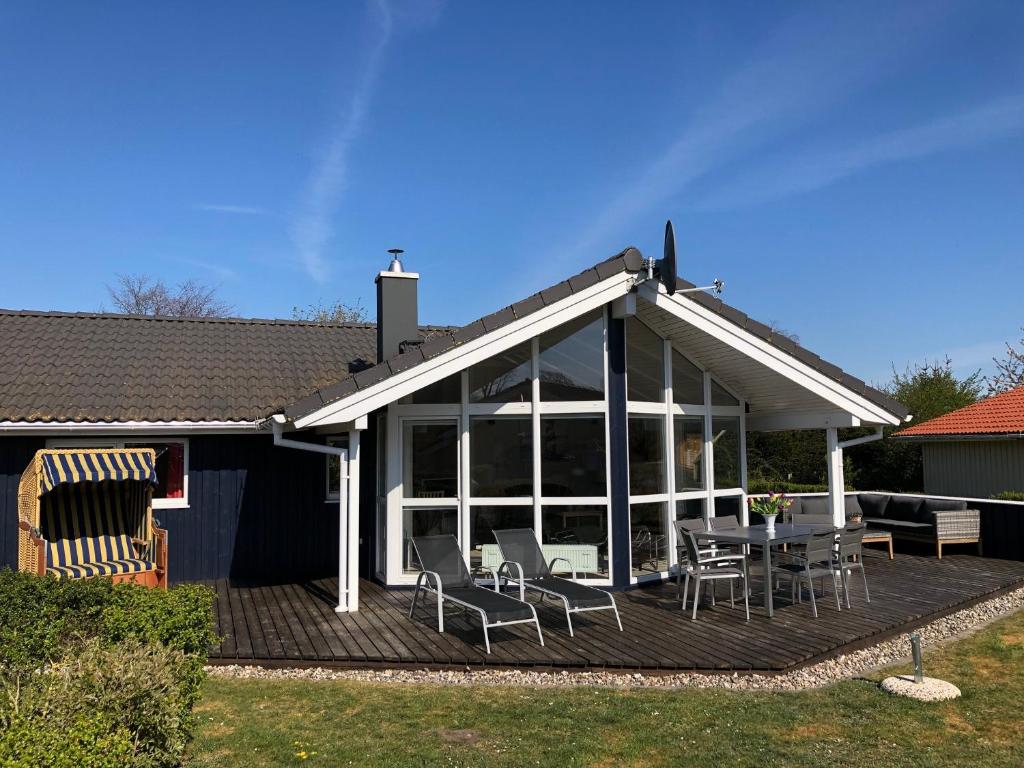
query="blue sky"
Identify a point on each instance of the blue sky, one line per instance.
(854, 172)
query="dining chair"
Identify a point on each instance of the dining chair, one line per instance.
(850, 556)
(813, 560)
(709, 569)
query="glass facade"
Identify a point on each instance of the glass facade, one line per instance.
(501, 456)
(646, 455)
(725, 431)
(573, 456)
(425, 521)
(687, 381)
(504, 378)
(483, 520)
(689, 452)
(430, 459)
(579, 533)
(645, 368)
(648, 540)
(572, 360)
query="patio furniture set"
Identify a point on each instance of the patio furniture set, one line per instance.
(706, 556)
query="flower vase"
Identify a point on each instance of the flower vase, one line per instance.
(769, 523)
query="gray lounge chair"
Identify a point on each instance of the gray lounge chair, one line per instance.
(443, 565)
(520, 551)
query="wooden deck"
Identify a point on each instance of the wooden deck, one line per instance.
(295, 624)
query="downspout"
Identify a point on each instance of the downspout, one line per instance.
(277, 422)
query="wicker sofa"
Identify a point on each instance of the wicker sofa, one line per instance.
(917, 518)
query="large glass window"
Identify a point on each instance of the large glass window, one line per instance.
(579, 533)
(572, 360)
(483, 521)
(504, 378)
(690, 509)
(573, 456)
(645, 372)
(430, 459)
(648, 542)
(725, 431)
(447, 390)
(729, 505)
(720, 397)
(425, 521)
(501, 456)
(689, 452)
(646, 455)
(687, 381)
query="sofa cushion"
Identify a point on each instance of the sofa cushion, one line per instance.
(852, 504)
(873, 504)
(906, 508)
(942, 505)
(813, 505)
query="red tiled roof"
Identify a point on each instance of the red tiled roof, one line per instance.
(999, 415)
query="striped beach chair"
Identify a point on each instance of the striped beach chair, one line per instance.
(86, 513)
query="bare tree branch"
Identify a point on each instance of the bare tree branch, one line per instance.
(142, 295)
(1009, 371)
(331, 314)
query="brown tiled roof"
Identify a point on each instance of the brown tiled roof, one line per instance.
(444, 341)
(87, 367)
(999, 415)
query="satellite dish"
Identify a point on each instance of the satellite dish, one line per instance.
(667, 272)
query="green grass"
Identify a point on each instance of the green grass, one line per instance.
(266, 723)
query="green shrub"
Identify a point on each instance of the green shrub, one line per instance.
(84, 662)
(1008, 496)
(783, 486)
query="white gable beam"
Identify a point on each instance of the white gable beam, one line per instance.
(774, 422)
(768, 355)
(458, 358)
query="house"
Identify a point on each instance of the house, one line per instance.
(594, 411)
(975, 451)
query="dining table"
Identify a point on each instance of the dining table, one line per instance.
(760, 536)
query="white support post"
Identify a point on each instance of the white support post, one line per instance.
(836, 483)
(348, 567)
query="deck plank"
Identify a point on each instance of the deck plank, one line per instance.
(296, 624)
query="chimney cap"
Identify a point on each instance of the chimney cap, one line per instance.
(396, 263)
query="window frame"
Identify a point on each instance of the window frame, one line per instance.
(120, 442)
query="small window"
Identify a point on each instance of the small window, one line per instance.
(572, 460)
(505, 378)
(725, 435)
(171, 490)
(645, 372)
(689, 450)
(333, 465)
(501, 456)
(431, 459)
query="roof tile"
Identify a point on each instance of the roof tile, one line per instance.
(999, 415)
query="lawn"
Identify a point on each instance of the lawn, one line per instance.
(275, 723)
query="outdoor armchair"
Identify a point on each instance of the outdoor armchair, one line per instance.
(521, 553)
(446, 575)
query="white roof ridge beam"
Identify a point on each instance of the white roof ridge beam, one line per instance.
(457, 358)
(768, 355)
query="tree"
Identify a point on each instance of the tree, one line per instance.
(331, 314)
(1009, 370)
(927, 390)
(141, 295)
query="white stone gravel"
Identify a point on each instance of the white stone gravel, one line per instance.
(814, 676)
(929, 689)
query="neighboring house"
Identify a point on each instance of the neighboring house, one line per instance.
(975, 451)
(595, 412)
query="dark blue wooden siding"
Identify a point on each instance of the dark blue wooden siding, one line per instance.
(255, 512)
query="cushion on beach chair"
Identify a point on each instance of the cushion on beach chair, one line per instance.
(107, 568)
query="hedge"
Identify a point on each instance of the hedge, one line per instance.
(95, 673)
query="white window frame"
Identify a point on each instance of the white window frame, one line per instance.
(399, 413)
(669, 410)
(120, 442)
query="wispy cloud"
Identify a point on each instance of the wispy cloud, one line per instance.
(815, 59)
(220, 270)
(245, 210)
(312, 228)
(808, 171)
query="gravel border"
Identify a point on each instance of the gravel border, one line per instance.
(823, 673)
